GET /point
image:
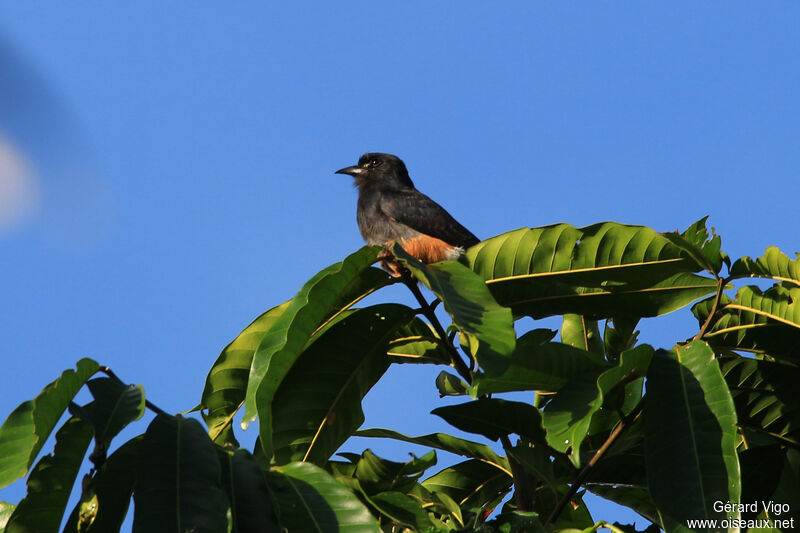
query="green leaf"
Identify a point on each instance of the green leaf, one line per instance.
(619, 334)
(488, 326)
(761, 472)
(767, 322)
(450, 385)
(251, 505)
(401, 509)
(376, 474)
(26, 429)
(443, 441)
(696, 243)
(494, 418)
(599, 271)
(580, 333)
(690, 435)
(226, 383)
(568, 415)
(6, 509)
(773, 264)
(327, 383)
(116, 405)
(179, 486)
(472, 483)
(537, 364)
(418, 344)
(51, 481)
(317, 304)
(765, 396)
(311, 500)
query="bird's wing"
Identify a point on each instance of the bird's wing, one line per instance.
(422, 214)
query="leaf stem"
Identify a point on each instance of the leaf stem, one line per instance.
(147, 403)
(430, 314)
(721, 283)
(586, 470)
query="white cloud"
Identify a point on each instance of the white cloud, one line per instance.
(20, 195)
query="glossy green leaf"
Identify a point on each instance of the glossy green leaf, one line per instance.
(537, 364)
(6, 509)
(251, 506)
(318, 404)
(599, 271)
(443, 441)
(578, 332)
(767, 322)
(311, 500)
(488, 326)
(115, 406)
(690, 435)
(26, 429)
(226, 383)
(766, 396)
(317, 304)
(773, 264)
(51, 481)
(702, 248)
(179, 485)
(471, 483)
(619, 334)
(494, 418)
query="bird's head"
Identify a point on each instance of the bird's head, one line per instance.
(379, 169)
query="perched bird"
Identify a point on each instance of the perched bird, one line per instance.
(391, 210)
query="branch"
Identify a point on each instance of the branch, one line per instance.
(430, 314)
(147, 403)
(586, 470)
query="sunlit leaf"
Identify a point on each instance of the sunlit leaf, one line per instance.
(449, 385)
(599, 271)
(690, 435)
(580, 333)
(773, 264)
(767, 322)
(26, 429)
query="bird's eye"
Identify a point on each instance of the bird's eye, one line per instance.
(375, 163)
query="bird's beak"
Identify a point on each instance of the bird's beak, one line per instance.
(352, 171)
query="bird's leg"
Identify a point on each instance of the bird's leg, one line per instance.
(390, 264)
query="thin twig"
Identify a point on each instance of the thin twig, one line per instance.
(147, 403)
(429, 313)
(721, 283)
(615, 433)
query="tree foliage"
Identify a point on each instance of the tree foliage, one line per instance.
(666, 431)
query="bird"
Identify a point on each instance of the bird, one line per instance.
(391, 210)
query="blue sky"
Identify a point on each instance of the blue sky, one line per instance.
(180, 157)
